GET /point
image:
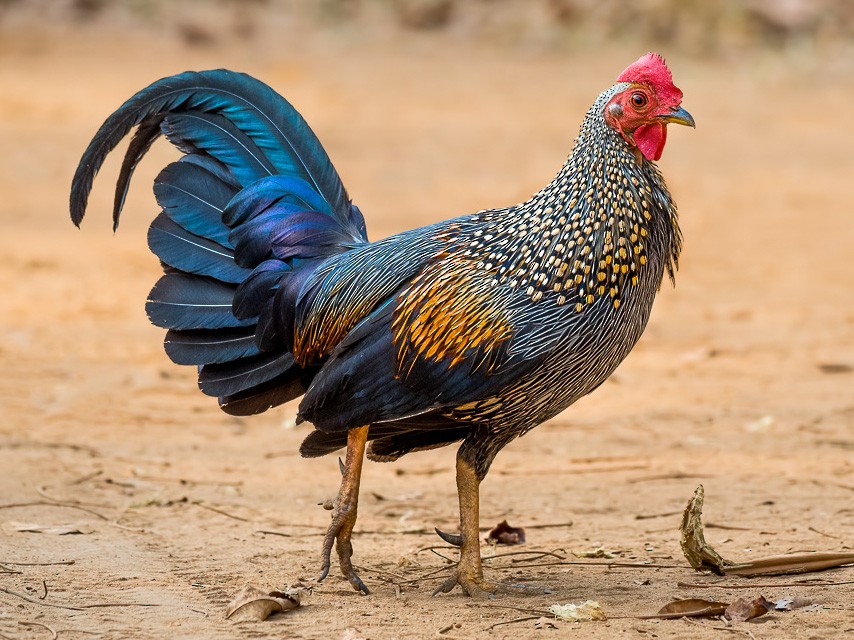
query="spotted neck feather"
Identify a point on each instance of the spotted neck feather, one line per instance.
(593, 231)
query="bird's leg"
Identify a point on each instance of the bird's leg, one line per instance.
(469, 572)
(344, 510)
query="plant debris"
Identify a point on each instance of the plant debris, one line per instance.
(703, 557)
(584, 612)
(253, 604)
(503, 533)
(692, 608)
(699, 553)
(743, 609)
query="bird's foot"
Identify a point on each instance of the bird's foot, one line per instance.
(477, 587)
(339, 533)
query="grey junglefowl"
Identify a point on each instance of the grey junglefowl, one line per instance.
(476, 329)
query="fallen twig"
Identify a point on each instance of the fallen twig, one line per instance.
(514, 621)
(42, 491)
(553, 525)
(537, 554)
(822, 533)
(81, 607)
(575, 471)
(668, 476)
(85, 478)
(667, 514)
(188, 482)
(45, 503)
(38, 564)
(53, 633)
(201, 504)
(758, 585)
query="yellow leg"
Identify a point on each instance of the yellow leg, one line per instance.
(345, 509)
(469, 571)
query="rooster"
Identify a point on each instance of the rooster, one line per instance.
(471, 330)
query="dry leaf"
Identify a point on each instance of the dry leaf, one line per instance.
(52, 529)
(692, 608)
(584, 612)
(698, 552)
(253, 604)
(503, 533)
(743, 610)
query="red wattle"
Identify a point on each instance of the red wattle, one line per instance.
(650, 139)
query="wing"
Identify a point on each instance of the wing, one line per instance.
(449, 336)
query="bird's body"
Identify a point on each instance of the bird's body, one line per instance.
(476, 329)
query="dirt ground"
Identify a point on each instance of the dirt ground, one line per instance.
(744, 380)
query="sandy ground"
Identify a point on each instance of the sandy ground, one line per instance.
(744, 380)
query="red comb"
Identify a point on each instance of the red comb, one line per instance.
(652, 70)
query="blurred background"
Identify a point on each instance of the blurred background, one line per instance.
(432, 108)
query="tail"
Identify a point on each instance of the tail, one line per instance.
(247, 214)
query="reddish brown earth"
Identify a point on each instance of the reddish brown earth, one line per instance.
(744, 380)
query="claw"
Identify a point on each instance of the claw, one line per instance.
(454, 539)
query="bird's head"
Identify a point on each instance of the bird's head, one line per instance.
(641, 112)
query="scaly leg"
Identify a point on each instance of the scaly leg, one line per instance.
(469, 571)
(344, 511)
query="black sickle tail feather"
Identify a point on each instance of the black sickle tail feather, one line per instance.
(248, 212)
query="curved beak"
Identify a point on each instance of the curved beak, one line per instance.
(678, 116)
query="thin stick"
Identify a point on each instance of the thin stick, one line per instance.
(576, 471)
(610, 565)
(668, 476)
(537, 555)
(537, 612)
(822, 533)
(553, 525)
(45, 503)
(730, 629)
(201, 504)
(82, 607)
(53, 633)
(85, 478)
(650, 516)
(186, 481)
(42, 491)
(514, 621)
(38, 564)
(756, 585)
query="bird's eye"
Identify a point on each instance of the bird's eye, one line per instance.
(638, 100)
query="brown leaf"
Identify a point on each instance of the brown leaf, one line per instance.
(743, 609)
(700, 555)
(503, 533)
(692, 608)
(253, 604)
